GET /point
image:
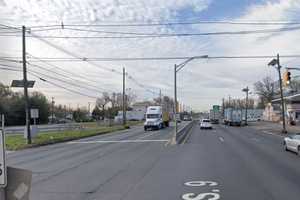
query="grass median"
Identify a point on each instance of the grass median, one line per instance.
(17, 142)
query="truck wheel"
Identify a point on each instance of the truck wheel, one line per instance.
(145, 128)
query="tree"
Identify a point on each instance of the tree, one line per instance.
(12, 105)
(101, 102)
(266, 90)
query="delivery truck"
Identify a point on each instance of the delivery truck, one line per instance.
(233, 117)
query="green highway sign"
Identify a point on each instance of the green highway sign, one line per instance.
(216, 108)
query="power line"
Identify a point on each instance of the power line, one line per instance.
(76, 56)
(60, 86)
(36, 74)
(166, 35)
(67, 72)
(117, 24)
(84, 59)
(62, 75)
(66, 82)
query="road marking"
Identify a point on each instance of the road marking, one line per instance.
(9, 152)
(146, 135)
(221, 139)
(114, 141)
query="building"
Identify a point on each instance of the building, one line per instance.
(141, 106)
(292, 107)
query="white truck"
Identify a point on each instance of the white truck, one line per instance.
(214, 116)
(156, 118)
(233, 117)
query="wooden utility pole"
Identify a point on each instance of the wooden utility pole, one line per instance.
(25, 83)
(281, 95)
(124, 103)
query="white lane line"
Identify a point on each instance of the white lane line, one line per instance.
(114, 141)
(146, 135)
(221, 139)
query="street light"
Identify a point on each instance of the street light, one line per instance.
(276, 63)
(177, 68)
(246, 114)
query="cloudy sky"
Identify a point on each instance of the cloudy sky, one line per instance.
(201, 83)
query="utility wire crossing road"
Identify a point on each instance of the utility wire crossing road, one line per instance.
(223, 163)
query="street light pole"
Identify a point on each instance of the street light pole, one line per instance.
(273, 63)
(177, 68)
(175, 100)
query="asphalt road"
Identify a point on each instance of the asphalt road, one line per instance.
(223, 163)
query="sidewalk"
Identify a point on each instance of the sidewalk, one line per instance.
(273, 128)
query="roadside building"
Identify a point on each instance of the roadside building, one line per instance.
(292, 107)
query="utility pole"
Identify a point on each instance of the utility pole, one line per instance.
(124, 103)
(281, 95)
(273, 63)
(52, 110)
(25, 83)
(89, 108)
(246, 114)
(160, 100)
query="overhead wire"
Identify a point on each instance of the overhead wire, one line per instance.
(83, 59)
(70, 78)
(60, 86)
(118, 24)
(83, 79)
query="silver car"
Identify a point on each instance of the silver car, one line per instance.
(292, 143)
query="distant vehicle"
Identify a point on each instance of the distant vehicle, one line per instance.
(292, 143)
(205, 124)
(187, 118)
(214, 116)
(233, 117)
(156, 118)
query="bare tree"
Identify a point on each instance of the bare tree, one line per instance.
(266, 90)
(102, 101)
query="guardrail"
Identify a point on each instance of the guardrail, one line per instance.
(182, 133)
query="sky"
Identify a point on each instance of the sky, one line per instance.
(201, 84)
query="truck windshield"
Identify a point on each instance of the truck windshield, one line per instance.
(152, 116)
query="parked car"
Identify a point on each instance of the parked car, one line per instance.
(205, 124)
(292, 143)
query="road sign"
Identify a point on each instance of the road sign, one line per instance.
(3, 175)
(216, 108)
(20, 83)
(34, 113)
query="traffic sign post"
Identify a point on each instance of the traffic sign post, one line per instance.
(3, 174)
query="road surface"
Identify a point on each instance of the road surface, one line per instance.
(223, 163)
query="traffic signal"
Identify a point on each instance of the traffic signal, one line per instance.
(286, 78)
